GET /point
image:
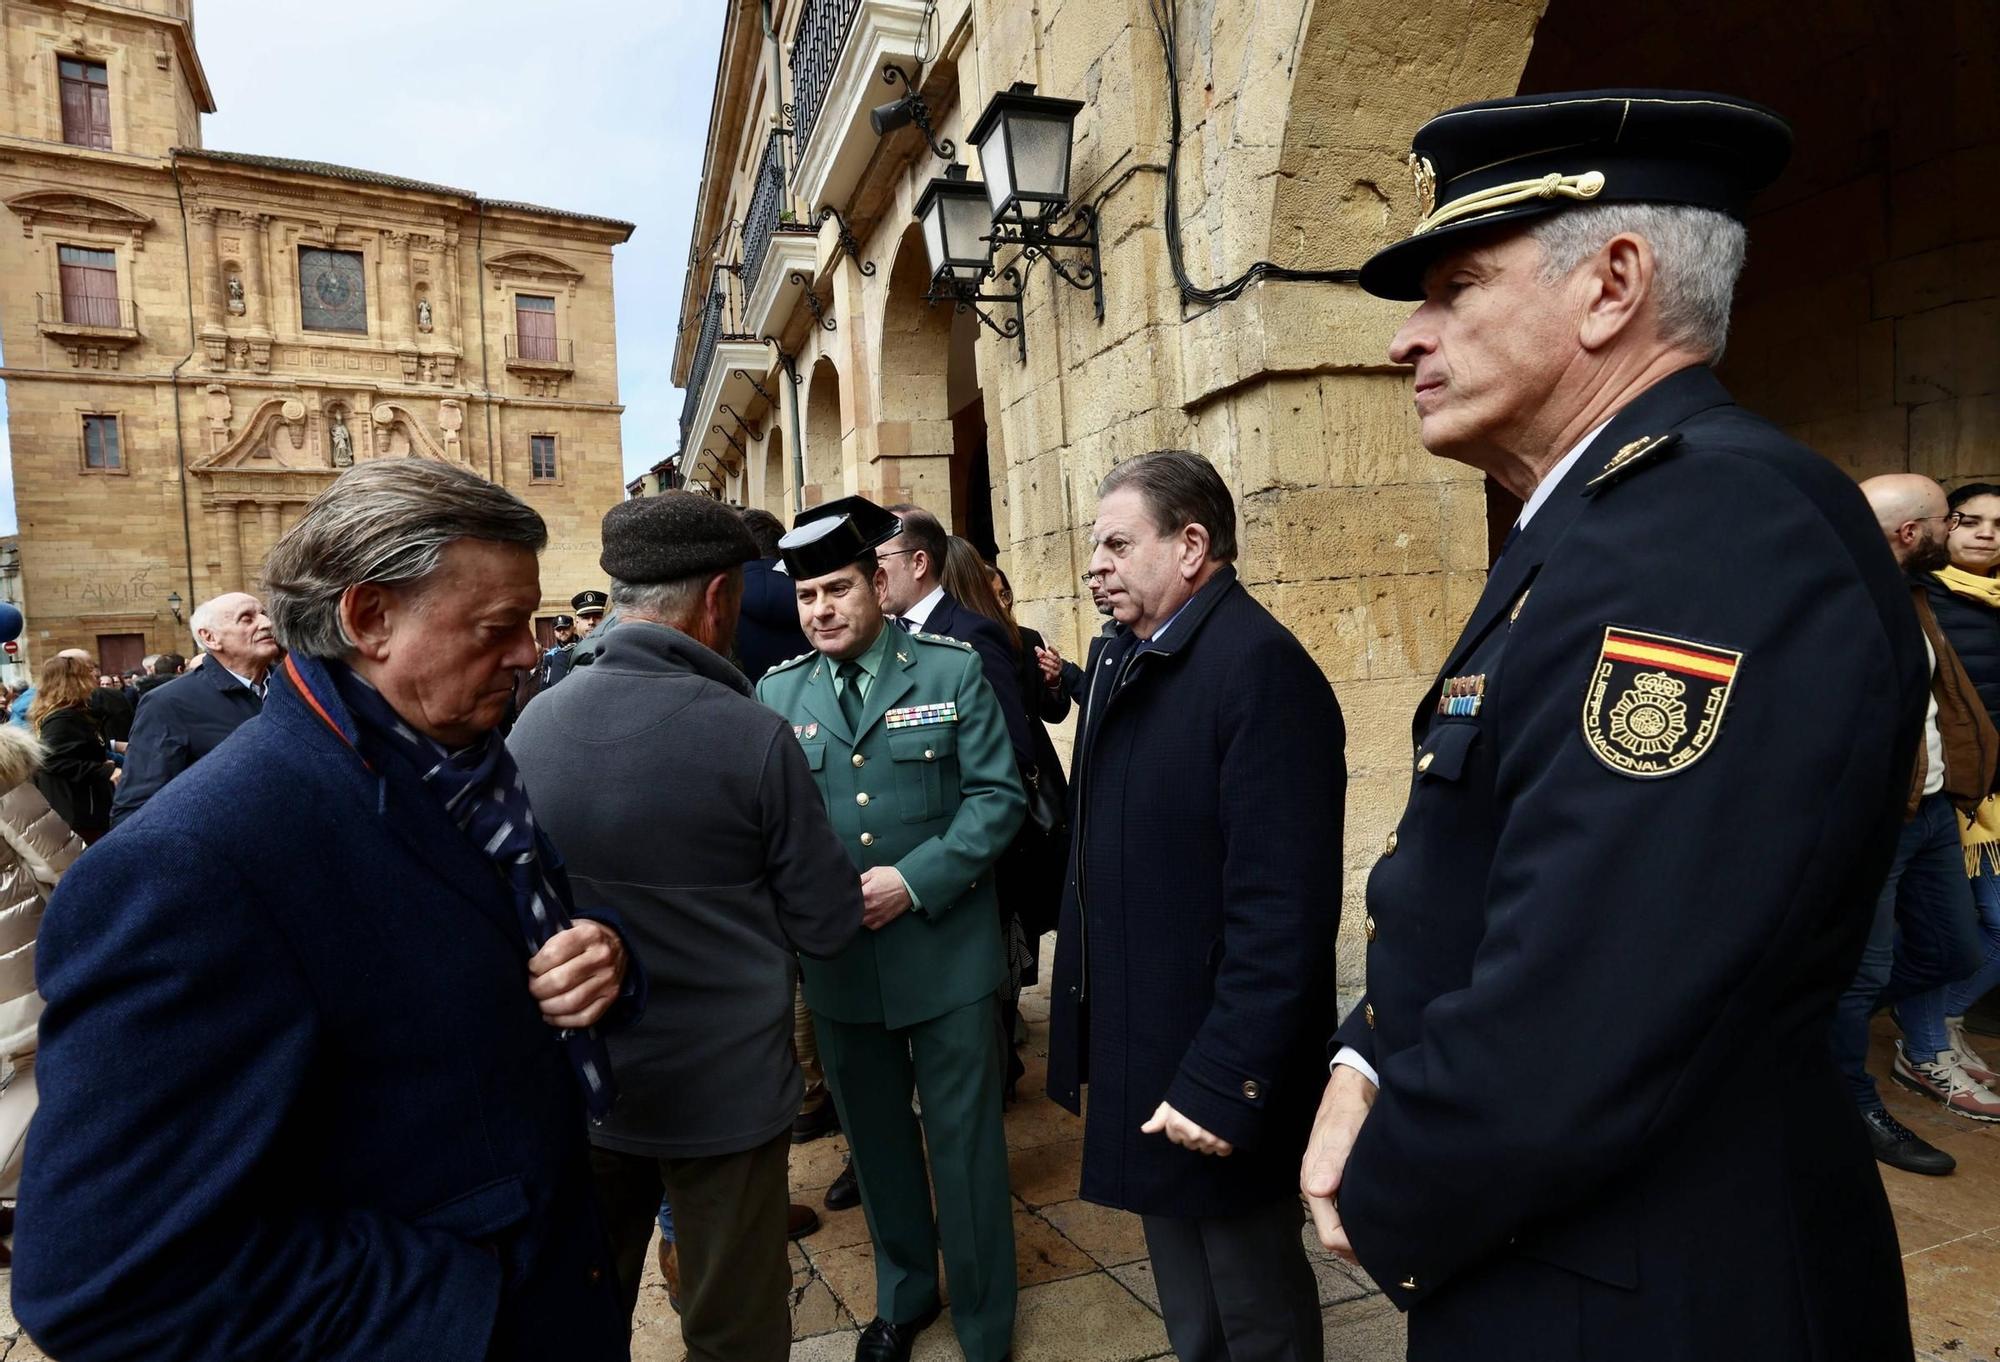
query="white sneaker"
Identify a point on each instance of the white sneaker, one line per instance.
(1968, 1058)
(1944, 1080)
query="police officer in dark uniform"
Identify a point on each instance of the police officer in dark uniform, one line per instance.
(1587, 1108)
(591, 624)
(556, 660)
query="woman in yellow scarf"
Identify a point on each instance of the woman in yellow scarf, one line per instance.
(1965, 597)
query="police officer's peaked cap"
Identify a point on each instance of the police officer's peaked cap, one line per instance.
(671, 536)
(589, 602)
(562, 622)
(1508, 160)
(828, 537)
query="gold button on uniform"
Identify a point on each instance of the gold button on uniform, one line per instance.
(1423, 762)
(1251, 1090)
(868, 839)
(1387, 850)
(929, 755)
(1368, 1015)
(860, 760)
(861, 798)
(1368, 927)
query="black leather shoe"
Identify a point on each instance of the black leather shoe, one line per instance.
(845, 1192)
(1900, 1147)
(810, 1125)
(882, 1341)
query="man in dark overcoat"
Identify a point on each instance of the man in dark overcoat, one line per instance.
(319, 1046)
(1654, 789)
(1194, 956)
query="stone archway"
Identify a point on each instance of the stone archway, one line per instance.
(825, 429)
(777, 478)
(913, 435)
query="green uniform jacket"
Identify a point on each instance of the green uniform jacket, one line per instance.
(937, 797)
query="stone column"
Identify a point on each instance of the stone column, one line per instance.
(228, 532)
(444, 298)
(398, 309)
(267, 511)
(207, 270)
(256, 289)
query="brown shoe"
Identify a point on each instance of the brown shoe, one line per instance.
(800, 1221)
(670, 1268)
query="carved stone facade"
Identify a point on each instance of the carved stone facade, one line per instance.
(241, 328)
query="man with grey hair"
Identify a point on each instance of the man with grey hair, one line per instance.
(321, 1028)
(1587, 1107)
(662, 734)
(189, 717)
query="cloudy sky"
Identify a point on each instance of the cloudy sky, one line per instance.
(595, 105)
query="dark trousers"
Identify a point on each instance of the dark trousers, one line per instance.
(729, 1225)
(1925, 935)
(1237, 1289)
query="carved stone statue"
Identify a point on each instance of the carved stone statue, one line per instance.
(343, 443)
(235, 294)
(423, 314)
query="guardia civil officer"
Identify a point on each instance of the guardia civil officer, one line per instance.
(907, 744)
(1653, 790)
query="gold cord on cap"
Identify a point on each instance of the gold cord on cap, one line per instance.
(1588, 185)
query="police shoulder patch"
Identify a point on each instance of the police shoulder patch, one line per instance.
(1655, 703)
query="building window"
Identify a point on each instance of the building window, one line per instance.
(542, 457)
(86, 103)
(535, 325)
(333, 291)
(101, 450)
(89, 286)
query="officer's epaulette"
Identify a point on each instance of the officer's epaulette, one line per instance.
(792, 662)
(940, 638)
(1630, 458)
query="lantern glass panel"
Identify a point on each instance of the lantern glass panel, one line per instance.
(997, 169)
(967, 219)
(934, 236)
(1040, 160)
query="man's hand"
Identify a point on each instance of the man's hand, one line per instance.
(1342, 1109)
(577, 975)
(1186, 1133)
(1050, 661)
(884, 896)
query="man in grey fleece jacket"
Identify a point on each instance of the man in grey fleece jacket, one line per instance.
(678, 799)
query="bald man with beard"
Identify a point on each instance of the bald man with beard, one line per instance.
(1925, 931)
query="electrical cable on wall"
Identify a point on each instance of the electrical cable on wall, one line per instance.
(1165, 20)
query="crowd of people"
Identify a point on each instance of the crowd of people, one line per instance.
(418, 971)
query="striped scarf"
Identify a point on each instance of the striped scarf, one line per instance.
(482, 793)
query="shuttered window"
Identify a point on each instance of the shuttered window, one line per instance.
(542, 457)
(89, 286)
(100, 444)
(86, 103)
(535, 324)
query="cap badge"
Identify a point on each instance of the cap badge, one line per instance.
(1425, 177)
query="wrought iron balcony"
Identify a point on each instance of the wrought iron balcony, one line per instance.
(85, 312)
(721, 323)
(526, 351)
(822, 31)
(768, 206)
(841, 51)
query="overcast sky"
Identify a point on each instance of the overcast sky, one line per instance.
(595, 105)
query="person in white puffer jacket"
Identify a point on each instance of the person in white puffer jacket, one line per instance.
(36, 847)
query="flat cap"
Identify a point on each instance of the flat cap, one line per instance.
(589, 602)
(828, 537)
(671, 536)
(1505, 160)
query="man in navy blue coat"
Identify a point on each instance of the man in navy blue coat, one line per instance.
(319, 1046)
(1587, 1108)
(1194, 955)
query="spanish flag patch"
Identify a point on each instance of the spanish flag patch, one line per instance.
(1655, 703)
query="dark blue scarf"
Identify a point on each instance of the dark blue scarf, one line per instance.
(482, 793)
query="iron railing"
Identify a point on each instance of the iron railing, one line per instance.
(527, 349)
(767, 206)
(77, 309)
(816, 45)
(721, 319)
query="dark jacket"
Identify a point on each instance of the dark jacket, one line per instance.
(177, 725)
(149, 683)
(951, 619)
(113, 712)
(296, 1100)
(1974, 631)
(1194, 961)
(1964, 730)
(767, 625)
(661, 734)
(76, 774)
(1609, 1123)
(1032, 873)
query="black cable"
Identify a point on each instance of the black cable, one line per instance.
(1165, 20)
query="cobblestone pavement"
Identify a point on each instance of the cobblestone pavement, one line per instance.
(1087, 1292)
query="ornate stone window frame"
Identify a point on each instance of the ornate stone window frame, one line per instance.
(289, 312)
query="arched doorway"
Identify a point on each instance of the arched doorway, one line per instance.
(914, 434)
(824, 429)
(972, 490)
(771, 496)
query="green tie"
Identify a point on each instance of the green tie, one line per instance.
(849, 673)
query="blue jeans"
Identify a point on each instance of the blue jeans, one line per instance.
(666, 1221)
(1923, 937)
(1922, 1017)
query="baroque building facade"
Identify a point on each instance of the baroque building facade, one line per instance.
(1240, 157)
(196, 342)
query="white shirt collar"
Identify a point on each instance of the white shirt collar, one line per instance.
(921, 611)
(1546, 488)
